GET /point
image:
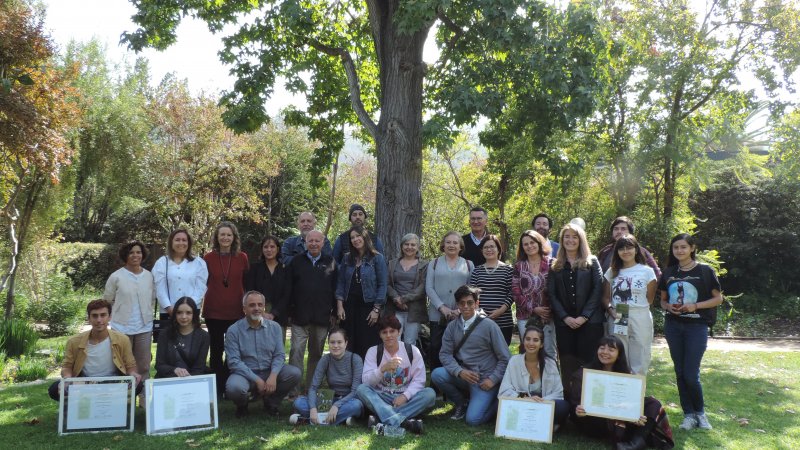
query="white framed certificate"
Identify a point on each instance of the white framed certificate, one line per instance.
(94, 404)
(181, 404)
(613, 395)
(525, 419)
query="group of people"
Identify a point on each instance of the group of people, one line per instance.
(573, 310)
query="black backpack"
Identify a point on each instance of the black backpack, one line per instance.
(409, 350)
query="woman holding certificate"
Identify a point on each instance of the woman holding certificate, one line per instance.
(534, 374)
(183, 347)
(628, 294)
(342, 369)
(652, 429)
(690, 294)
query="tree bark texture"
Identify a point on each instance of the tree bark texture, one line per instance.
(398, 137)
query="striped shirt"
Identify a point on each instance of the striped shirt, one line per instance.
(495, 287)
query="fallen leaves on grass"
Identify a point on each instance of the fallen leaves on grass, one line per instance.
(34, 421)
(117, 438)
(759, 430)
(744, 422)
(263, 439)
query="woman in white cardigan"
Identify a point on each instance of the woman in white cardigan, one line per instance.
(131, 291)
(534, 374)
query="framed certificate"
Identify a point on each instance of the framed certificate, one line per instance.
(93, 404)
(613, 395)
(525, 419)
(181, 404)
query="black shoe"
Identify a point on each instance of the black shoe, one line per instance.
(460, 412)
(413, 426)
(636, 443)
(241, 411)
(271, 410)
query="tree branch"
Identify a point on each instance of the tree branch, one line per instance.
(460, 194)
(352, 82)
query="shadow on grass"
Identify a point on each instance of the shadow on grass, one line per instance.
(759, 387)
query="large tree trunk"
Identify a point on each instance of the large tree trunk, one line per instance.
(399, 132)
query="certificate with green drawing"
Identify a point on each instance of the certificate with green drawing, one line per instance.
(613, 395)
(525, 419)
(92, 404)
(181, 404)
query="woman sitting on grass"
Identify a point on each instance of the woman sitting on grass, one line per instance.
(534, 374)
(343, 372)
(652, 429)
(183, 347)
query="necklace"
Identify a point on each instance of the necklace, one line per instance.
(688, 266)
(222, 269)
(494, 269)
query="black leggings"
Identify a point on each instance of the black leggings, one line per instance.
(216, 334)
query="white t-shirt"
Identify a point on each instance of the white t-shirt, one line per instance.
(630, 285)
(99, 362)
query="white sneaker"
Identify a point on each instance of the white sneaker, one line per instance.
(349, 422)
(689, 422)
(294, 418)
(702, 422)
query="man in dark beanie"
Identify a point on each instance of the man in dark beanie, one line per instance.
(357, 216)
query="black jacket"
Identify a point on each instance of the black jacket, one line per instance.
(168, 357)
(588, 288)
(311, 290)
(274, 286)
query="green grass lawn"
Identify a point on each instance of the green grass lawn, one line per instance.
(761, 387)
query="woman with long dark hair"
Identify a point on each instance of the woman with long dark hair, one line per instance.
(183, 347)
(131, 292)
(361, 291)
(494, 280)
(534, 374)
(610, 357)
(575, 286)
(227, 268)
(690, 294)
(529, 287)
(268, 276)
(628, 294)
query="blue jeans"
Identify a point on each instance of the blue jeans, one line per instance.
(349, 408)
(687, 342)
(482, 404)
(381, 404)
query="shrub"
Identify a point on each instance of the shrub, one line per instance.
(58, 353)
(2, 364)
(60, 307)
(31, 369)
(17, 337)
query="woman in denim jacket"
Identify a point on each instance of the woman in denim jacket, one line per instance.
(361, 291)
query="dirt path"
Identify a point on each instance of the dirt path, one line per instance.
(745, 345)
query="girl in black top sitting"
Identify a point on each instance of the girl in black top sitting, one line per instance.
(183, 347)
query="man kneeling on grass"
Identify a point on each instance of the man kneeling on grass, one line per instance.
(474, 357)
(393, 384)
(99, 352)
(257, 360)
